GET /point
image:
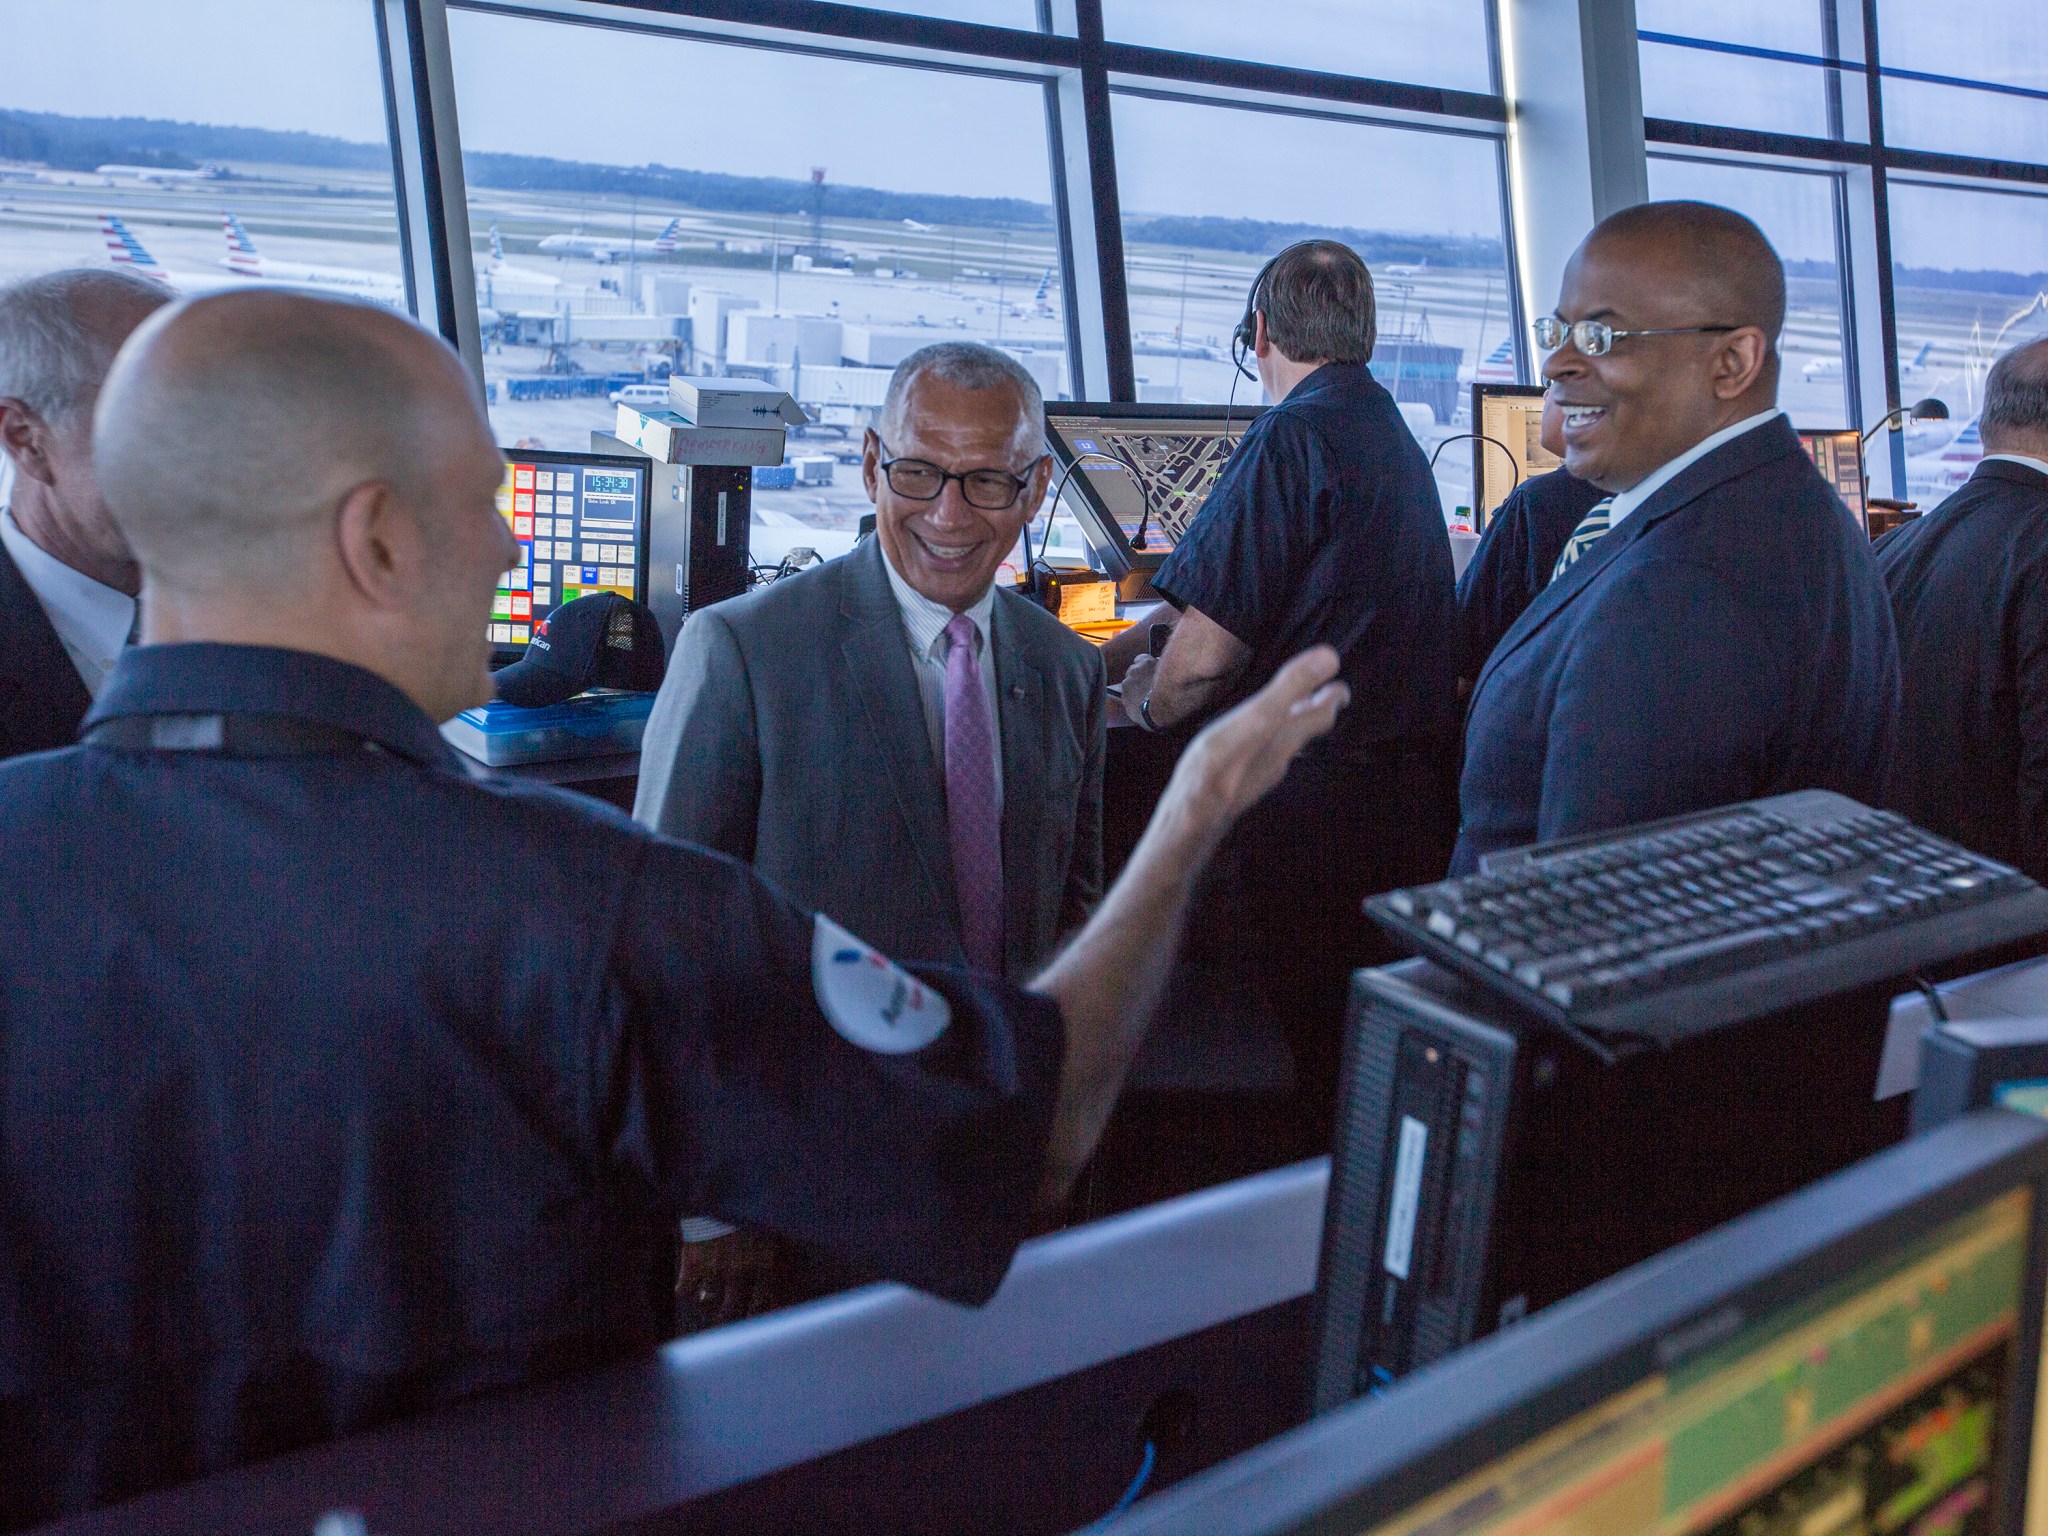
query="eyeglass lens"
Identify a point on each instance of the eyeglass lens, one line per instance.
(989, 489)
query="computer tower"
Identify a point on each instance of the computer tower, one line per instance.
(698, 535)
(1486, 1165)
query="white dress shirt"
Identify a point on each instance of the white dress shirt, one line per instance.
(92, 621)
(924, 628)
(2039, 465)
(1627, 501)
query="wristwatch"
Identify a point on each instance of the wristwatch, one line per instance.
(1145, 713)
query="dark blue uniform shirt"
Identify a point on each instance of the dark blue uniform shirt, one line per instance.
(336, 1084)
(1325, 527)
(1514, 559)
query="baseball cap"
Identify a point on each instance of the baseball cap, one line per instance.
(600, 641)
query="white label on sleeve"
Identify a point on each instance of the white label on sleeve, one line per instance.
(1407, 1192)
(870, 999)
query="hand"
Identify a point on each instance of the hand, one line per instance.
(1138, 686)
(725, 1279)
(1241, 755)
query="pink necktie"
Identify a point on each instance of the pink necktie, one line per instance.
(972, 825)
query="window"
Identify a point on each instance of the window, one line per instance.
(1426, 42)
(1796, 212)
(2000, 47)
(1208, 194)
(1728, 82)
(1970, 274)
(129, 133)
(637, 212)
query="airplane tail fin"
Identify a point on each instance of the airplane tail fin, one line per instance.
(665, 242)
(242, 257)
(1044, 287)
(1920, 357)
(124, 250)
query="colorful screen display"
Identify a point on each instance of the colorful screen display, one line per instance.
(579, 532)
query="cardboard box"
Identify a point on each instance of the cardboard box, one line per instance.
(673, 439)
(733, 403)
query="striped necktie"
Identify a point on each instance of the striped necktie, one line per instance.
(1589, 532)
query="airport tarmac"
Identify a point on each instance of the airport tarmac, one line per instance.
(987, 284)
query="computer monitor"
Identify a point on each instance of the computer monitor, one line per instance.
(581, 522)
(1153, 468)
(1487, 1164)
(1838, 455)
(1508, 449)
(1860, 1357)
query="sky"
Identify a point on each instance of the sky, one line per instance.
(582, 93)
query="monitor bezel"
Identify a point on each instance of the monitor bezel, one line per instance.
(1098, 524)
(505, 655)
(1376, 1457)
(1482, 450)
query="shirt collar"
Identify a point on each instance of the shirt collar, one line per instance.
(926, 620)
(202, 678)
(2039, 466)
(1627, 501)
(90, 617)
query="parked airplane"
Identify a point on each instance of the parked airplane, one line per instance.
(129, 253)
(1822, 370)
(597, 248)
(244, 260)
(1499, 366)
(913, 224)
(207, 172)
(500, 270)
(1406, 268)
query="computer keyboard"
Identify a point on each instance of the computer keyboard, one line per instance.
(1675, 927)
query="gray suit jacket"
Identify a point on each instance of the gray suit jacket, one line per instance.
(788, 733)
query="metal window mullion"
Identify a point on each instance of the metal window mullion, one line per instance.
(427, 149)
(1881, 226)
(1088, 91)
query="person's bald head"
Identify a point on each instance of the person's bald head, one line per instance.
(308, 472)
(1706, 277)
(2015, 418)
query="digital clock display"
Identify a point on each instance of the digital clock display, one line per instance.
(597, 484)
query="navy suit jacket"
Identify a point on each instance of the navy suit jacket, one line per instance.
(1730, 639)
(1969, 590)
(42, 698)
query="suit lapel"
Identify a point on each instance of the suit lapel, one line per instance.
(877, 655)
(40, 690)
(1759, 446)
(1024, 724)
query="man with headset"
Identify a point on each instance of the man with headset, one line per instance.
(1323, 528)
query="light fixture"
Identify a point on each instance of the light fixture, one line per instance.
(1929, 409)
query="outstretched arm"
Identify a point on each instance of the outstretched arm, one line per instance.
(1109, 979)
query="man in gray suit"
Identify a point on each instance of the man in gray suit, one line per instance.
(891, 737)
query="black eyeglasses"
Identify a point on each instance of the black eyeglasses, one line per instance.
(990, 490)
(1596, 338)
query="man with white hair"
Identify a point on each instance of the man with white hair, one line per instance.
(892, 733)
(335, 1084)
(67, 580)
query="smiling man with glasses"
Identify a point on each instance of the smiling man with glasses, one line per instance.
(1714, 628)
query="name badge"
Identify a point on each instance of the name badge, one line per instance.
(868, 998)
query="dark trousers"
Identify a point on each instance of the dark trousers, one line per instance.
(1279, 909)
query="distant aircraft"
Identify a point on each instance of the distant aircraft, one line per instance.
(597, 248)
(1407, 268)
(207, 172)
(245, 261)
(1822, 370)
(504, 272)
(1040, 304)
(913, 224)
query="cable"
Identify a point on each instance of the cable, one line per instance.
(1934, 1003)
(1130, 1494)
(1052, 506)
(1479, 437)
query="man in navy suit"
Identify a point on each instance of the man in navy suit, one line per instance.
(1969, 589)
(1715, 629)
(67, 580)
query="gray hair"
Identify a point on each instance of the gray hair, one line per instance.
(2016, 393)
(55, 342)
(966, 365)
